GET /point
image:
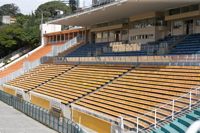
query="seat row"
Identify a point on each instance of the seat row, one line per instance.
(141, 91)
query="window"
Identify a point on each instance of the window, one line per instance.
(156, 21)
(105, 35)
(193, 7)
(62, 37)
(174, 11)
(54, 38)
(184, 9)
(198, 22)
(111, 34)
(139, 37)
(58, 38)
(178, 24)
(99, 35)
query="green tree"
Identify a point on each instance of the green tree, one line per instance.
(9, 9)
(50, 9)
(26, 30)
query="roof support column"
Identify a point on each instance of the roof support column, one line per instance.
(64, 37)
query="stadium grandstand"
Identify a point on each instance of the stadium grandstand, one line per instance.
(126, 66)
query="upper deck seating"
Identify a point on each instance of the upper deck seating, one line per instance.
(190, 45)
(141, 91)
(170, 45)
(89, 50)
(101, 49)
(119, 49)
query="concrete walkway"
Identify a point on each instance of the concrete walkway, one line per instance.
(13, 121)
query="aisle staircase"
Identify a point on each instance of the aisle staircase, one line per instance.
(180, 125)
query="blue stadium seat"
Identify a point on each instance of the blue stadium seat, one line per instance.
(190, 45)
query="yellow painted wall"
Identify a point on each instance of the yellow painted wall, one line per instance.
(10, 91)
(94, 123)
(40, 102)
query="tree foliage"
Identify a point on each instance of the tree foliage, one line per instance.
(50, 9)
(25, 31)
(9, 9)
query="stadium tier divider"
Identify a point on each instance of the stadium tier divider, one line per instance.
(171, 60)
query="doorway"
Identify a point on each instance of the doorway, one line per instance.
(189, 27)
(117, 36)
(93, 37)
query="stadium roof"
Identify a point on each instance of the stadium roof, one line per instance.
(118, 10)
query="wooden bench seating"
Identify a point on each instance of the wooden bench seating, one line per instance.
(80, 81)
(39, 75)
(142, 90)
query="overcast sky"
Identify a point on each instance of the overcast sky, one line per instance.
(27, 6)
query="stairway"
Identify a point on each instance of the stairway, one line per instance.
(181, 124)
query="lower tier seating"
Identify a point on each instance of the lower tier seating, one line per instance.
(80, 81)
(39, 75)
(142, 90)
(181, 124)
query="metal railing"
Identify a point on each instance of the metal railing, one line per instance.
(175, 60)
(61, 124)
(30, 65)
(61, 48)
(172, 108)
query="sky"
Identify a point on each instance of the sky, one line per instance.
(28, 6)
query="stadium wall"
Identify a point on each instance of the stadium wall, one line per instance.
(91, 122)
(9, 91)
(40, 102)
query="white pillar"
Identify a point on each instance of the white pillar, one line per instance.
(155, 119)
(121, 122)
(190, 104)
(173, 110)
(137, 125)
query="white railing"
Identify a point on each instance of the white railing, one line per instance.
(22, 57)
(56, 49)
(30, 65)
(173, 108)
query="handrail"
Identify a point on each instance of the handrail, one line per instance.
(172, 115)
(27, 65)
